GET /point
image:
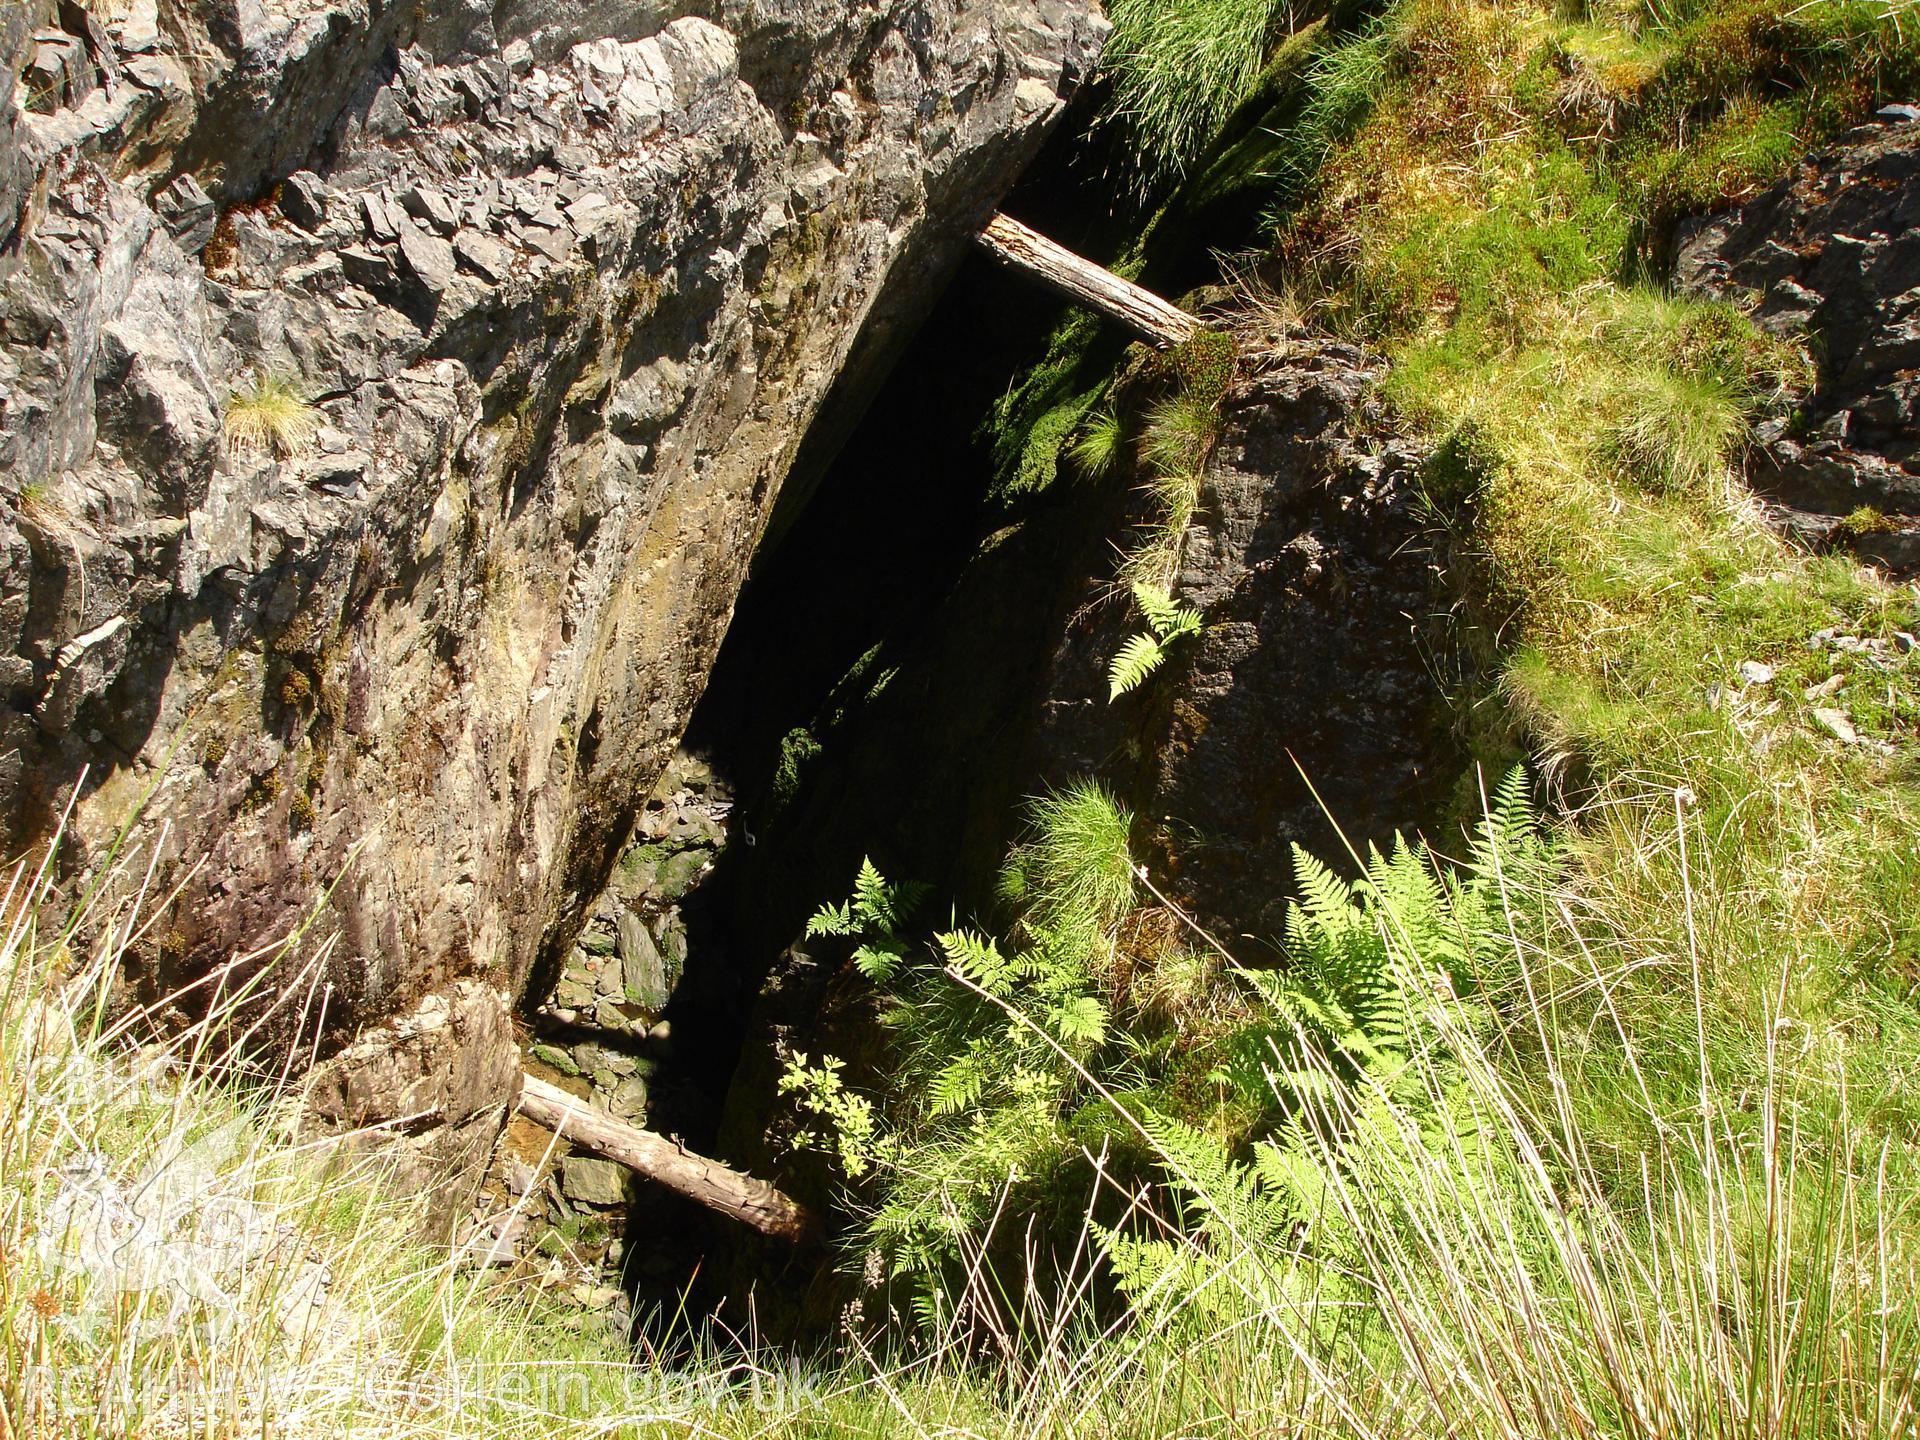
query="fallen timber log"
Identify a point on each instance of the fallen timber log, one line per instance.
(1155, 320)
(708, 1182)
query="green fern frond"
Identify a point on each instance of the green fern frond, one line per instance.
(872, 900)
(959, 1085)
(1081, 1021)
(1138, 658)
(976, 957)
(1169, 619)
(831, 920)
(879, 960)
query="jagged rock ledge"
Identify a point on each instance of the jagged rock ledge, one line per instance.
(565, 287)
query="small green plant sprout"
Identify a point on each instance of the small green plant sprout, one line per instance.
(875, 915)
(850, 1125)
(1146, 651)
(270, 415)
(1101, 444)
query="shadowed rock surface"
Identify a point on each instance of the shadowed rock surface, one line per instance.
(1312, 572)
(1831, 256)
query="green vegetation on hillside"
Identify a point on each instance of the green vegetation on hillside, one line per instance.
(1698, 1021)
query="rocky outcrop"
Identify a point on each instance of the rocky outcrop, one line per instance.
(524, 310)
(1831, 256)
(1310, 685)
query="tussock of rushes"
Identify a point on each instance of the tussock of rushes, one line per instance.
(1677, 434)
(270, 416)
(1179, 68)
(1179, 434)
(1079, 861)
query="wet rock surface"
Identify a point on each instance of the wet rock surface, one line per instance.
(550, 296)
(1831, 256)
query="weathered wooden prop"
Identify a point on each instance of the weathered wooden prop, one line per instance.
(1155, 320)
(750, 1201)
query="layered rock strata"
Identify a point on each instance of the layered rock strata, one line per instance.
(391, 398)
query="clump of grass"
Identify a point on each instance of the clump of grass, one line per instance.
(1101, 447)
(271, 415)
(1179, 68)
(1180, 431)
(1676, 433)
(1341, 87)
(181, 1255)
(1744, 89)
(1079, 862)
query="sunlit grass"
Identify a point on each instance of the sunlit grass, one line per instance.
(270, 415)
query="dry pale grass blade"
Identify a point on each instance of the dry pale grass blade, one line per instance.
(270, 416)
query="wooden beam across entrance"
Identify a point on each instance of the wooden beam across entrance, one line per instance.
(718, 1187)
(1155, 320)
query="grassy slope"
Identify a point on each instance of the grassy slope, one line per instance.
(1619, 577)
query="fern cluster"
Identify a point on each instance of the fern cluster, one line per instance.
(1012, 1057)
(990, 1039)
(1384, 977)
(1145, 651)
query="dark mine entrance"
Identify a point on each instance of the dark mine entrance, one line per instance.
(876, 695)
(857, 587)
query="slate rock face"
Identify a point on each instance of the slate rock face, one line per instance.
(565, 286)
(1831, 256)
(1318, 589)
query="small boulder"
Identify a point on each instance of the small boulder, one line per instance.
(429, 258)
(303, 200)
(432, 207)
(678, 874)
(188, 212)
(485, 256)
(517, 1176)
(380, 221)
(629, 1098)
(643, 972)
(369, 269)
(596, 1182)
